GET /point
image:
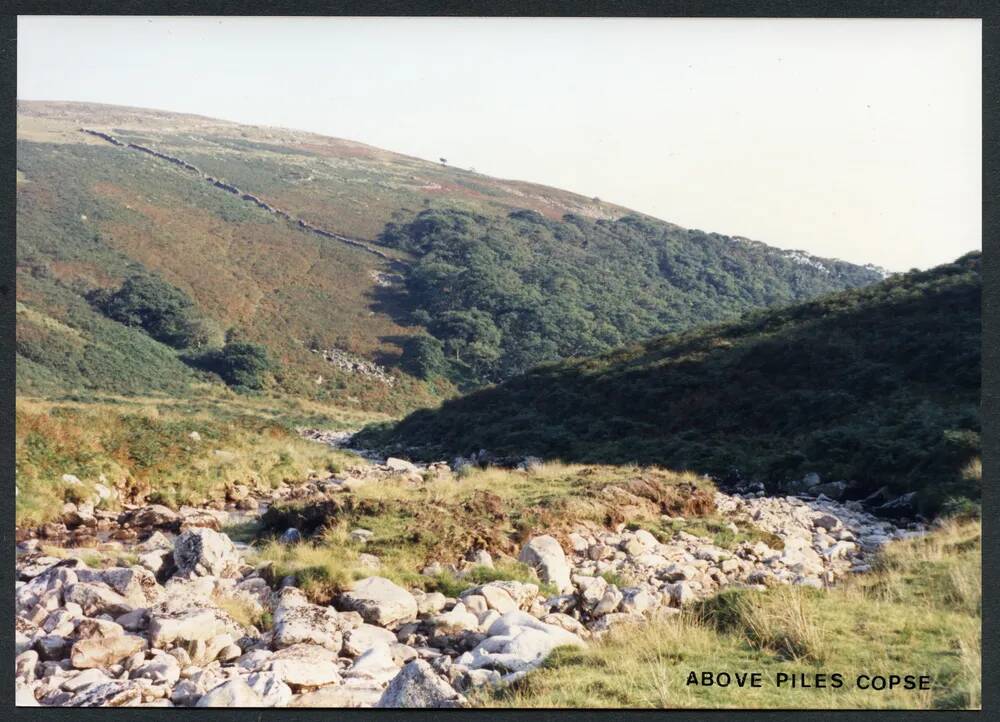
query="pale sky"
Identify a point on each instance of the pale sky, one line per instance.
(856, 139)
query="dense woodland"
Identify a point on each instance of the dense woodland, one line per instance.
(878, 385)
(503, 294)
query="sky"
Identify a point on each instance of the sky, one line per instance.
(853, 139)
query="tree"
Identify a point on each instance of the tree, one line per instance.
(239, 363)
(163, 311)
(423, 357)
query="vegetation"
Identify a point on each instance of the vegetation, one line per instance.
(919, 612)
(878, 385)
(503, 294)
(240, 363)
(144, 445)
(174, 259)
(441, 519)
(164, 312)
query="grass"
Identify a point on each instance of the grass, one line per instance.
(143, 445)
(917, 613)
(441, 519)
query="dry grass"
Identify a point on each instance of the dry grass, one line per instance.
(857, 628)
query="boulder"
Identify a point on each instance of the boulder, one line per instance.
(273, 692)
(547, 557)
(381, 602)
(162, 669)
(305, 665)
(97, 598)
(103, 652)
(204, 552)
(299, 623)
(417, 686)
(233, 693)
(518, 642)
(118, 693)
(358, 641)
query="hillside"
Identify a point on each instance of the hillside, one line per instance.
(371, 278)
(877, 386)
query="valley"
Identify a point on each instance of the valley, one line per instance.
(302, 422)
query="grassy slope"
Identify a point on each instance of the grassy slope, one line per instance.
(918, 613)
(146, 441)
(879, 385)
(90, 213)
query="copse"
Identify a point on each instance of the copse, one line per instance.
(163, 311)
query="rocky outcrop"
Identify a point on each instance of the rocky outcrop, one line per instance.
(207, 629)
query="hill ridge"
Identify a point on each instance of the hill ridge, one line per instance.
(244, 195)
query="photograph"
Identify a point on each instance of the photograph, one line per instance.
(497, 362)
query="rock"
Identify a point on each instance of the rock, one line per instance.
(417, 686)
(25, 664)
(273, 692)
(358, 641)
(136, 584)
(305, 665)
(97, 598)
(52, 647)
(365, 694)
(234, 693)
(299, 623)
(400, 465)
(24, 695)
(608, 603)
(361, 535)
(170, 624)
(98, 629)
(376, 664)
(681, 593)
(480, 557)
(155, 515)
(826, 521)
(103, 652)
(162, 669)
(380, 602)
(202, 552)
(185, 694)
(430, 603)
(84, 679)
(517, 642)
(530, 464)
(547, 557)
(118, 693)
(291, 536)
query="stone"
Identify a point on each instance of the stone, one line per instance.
(97, 629)
(291, 536)
(497, 598)
(417, 686)
(376, 664)
(299, 623)
(233, 693)
(97, 598)
(431, 603)
(380, 601)
(185, 694)
(117, 693)
(25, 664)
(272, 691)
(84, 679)
(545, 555)
(202, 552)
(162, 669)
(480, 558)
(458, 619)
(136, 584)
(518, 642)
(358, 641)
(401, 465)
(103, 652)
(608, 603)
(826, 521)
(305, 665)
(52, 647)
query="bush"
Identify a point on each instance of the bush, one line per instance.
(423, 357)
(163, 311)
(239, 363)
